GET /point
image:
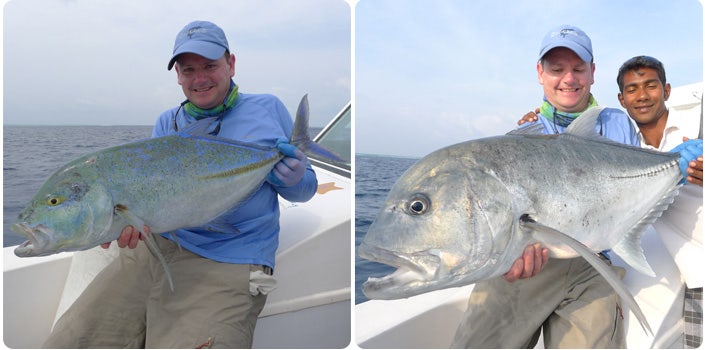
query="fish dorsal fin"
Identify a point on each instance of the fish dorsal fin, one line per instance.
(629, 248)
(543, 233)
(584, 125)
(531, 129)
(199, 128)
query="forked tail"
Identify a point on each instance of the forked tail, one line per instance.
(301, 139)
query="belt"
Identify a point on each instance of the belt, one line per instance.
(266, 269)
(605, 255)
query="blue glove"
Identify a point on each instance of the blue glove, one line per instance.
(689, 150)
(290, 170)
(286, 148)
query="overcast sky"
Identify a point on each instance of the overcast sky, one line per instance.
(433, 73)
(428, 73)
(103, 62)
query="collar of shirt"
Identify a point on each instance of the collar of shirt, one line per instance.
(681, 122)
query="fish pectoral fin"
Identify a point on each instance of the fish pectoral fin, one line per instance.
(176, 240)
(220, 226)
(138, 223)
(131, 218)
(544, 233)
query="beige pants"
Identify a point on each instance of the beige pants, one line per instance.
(569, 299)
(130, 305)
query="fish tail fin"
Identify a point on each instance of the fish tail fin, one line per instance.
(301, 139)
(300, 134)
(545, 233)
(629, 248)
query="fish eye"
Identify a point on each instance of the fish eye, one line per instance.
(54, 201)
(418, 204)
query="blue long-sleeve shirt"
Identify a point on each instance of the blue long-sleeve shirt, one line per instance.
(248, 233)
(613, 124)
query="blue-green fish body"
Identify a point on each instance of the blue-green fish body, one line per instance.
(177, 181)
(170, 182)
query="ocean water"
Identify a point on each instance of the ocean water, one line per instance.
(32, 153)
(374, 176)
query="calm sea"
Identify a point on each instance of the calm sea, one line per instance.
(374, 176)
(32, 153)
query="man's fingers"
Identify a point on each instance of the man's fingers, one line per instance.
(515, 271)
(528, 268)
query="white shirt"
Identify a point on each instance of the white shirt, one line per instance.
(680, 227)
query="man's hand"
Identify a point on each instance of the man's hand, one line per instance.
(290, 170)
(695, 170)
(529, 117)
(690, 162)
(529, 264)
(128, 238)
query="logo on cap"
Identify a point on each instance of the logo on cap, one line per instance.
(567, 31)
(195, 30)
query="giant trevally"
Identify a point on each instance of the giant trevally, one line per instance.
(182, 180)
(464, 213)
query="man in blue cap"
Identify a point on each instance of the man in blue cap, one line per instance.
(222, 272)
(643, 92)
(569, 300)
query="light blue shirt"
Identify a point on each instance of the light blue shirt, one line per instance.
(612, 123)
(250, 231)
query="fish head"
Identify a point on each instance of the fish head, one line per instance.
(446, 222)
(70, 212)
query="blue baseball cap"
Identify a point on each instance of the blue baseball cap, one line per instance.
(202, 38)
(571, 37)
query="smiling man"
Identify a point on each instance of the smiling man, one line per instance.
(643, 91)
(566, 298)
(223, 270)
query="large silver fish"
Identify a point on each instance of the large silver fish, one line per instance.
(176, 181)
(465, 213)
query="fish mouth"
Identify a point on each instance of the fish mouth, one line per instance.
(38, 239)
(414, 274)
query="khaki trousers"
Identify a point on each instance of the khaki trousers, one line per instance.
(569, 299)
(130, 305)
